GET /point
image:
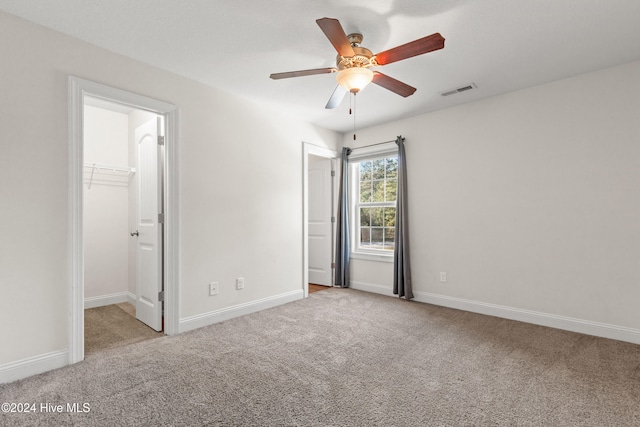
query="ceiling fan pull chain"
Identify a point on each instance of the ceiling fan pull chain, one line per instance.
(354, 116)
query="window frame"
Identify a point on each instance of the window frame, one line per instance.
(357, 251)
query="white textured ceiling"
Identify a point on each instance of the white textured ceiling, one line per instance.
(500, 45)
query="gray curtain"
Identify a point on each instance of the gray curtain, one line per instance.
(401, 264)
(343, 249)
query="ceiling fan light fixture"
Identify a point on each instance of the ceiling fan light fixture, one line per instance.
(354, 79)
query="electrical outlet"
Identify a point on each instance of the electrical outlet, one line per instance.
(443, 276)
(213, 288)
(240, 283)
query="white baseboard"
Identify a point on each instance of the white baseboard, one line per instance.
(368, 287)
(103, 300)
(206, 319)
(604, 330)
(33, 365)
(131, 298)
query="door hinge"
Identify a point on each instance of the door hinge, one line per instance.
(333, 219)
(333, 265)
(161, 218)
(333, 173)
(161, 296)
(160, 140)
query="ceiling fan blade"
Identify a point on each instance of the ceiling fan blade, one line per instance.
(336, 97)
(336, 35)
(408, 50)
(395, 86)
(301, 73)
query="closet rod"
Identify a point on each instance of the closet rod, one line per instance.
(102, 167)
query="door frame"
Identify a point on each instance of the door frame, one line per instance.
(309, 150)
(77, 89)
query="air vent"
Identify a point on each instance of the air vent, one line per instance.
(460, 89)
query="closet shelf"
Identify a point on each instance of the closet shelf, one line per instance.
(109, 174)
(102, 168)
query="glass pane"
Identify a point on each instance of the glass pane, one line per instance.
(378, 191)
(392, 186)
(377, 238)
(377, 168)
(389, 238)
(365, 191)
(365, 236)
(365, 170)
(389, 217)
(365, 216)
(392, 168)
(376, 217)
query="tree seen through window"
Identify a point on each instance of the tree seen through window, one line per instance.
(378, 183)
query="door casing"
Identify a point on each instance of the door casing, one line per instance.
(77, 89)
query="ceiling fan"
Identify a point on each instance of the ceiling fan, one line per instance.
(354, 62)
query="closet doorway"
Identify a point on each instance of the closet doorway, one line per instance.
(123, 209)
(122, 238)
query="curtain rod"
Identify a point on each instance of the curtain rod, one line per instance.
(373, 145)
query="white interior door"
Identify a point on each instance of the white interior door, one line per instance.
(149, 238)
(320, 224)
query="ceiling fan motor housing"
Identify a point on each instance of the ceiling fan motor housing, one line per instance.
(362, 58)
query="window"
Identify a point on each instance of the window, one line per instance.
(375, 204)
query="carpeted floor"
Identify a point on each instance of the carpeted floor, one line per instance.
(347, 358)
(113, 326)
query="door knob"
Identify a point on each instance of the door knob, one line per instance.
(135, 233)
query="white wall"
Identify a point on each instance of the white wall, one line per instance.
(240, 186)
(106, 204)
(529, 201)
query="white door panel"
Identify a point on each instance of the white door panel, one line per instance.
(320, 226)
(149, 243)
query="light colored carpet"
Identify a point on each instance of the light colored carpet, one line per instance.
(347, 358)
(113, 326)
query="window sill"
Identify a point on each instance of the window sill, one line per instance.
(372, 257)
